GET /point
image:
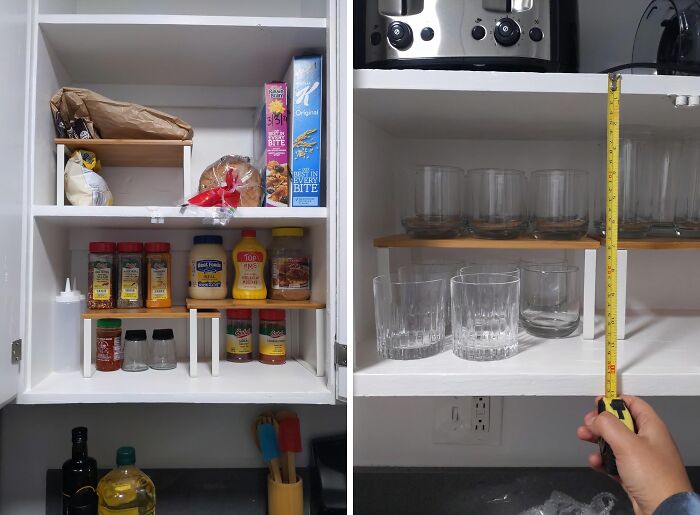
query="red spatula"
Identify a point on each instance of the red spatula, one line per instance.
(290, 443)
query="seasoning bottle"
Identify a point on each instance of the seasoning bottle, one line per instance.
(239, 335)
(249, 259)
(163, 355)
(273, 337)
(109, 345)
(208, 269)
(290, 273)
(158, 275)
(101, 275)
(129, 275)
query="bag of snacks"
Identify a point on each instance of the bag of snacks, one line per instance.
(230, 181)
(83, 186)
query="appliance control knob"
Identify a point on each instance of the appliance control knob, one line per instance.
(536, 34)
(507, 32)
(478, 32)
(375, 38)
(400, 35)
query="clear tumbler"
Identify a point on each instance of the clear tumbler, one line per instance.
(559, 204)
(497, 203)
(550, 303)
(687, 212)
(485, 316)
(410, 317)
(432, 201)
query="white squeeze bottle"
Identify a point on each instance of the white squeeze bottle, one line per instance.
(67, 327)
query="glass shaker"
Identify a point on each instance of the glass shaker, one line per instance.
(135, 351)
(163, 350)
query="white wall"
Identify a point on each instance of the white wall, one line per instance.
(536, 432)
(35, 438)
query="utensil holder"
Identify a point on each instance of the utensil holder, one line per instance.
(285, 498)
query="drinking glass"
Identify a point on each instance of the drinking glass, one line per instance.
(432, 202)
(135, 351)
(428, 272)
(163, 350)
(485, 316)
(496, 203)
(687, 212)
(634, 191)
(410, 317)
(495, 267)
(667, 168)
(559, 204)
(550, 302)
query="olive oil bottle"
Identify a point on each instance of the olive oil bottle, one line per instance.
(126, 490)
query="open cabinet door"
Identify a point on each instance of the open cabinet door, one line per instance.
(344, 290)
(13, 45)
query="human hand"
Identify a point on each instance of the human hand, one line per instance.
(649, 465)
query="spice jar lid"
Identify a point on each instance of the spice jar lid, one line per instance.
(288, 231)
(129, 246)
(163, 334)
(239, 313)
(102, 246)
(135, 335)
(109, 323)
(248, 233)
(208, 239)
(157, 246)
(271, 314)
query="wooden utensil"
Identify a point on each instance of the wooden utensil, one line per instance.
(290, 443)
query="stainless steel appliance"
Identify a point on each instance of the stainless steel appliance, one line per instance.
(512, 35)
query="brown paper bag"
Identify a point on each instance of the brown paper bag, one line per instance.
(101, 117)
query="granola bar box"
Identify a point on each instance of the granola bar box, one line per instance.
(304, 80)
(270, 144)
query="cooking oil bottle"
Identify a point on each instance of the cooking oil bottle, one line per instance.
(126, 490)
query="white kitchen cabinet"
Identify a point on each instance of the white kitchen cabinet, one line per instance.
(206, 63)
(523, 121)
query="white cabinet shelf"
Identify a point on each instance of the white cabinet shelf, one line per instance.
(124, 217)
(660, 356)
(501, 105)
(179, 50)
(252, 382)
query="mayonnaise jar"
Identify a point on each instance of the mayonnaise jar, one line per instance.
(208, 269)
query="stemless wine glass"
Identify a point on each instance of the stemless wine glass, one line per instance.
(687, 212)
(559, 204)
(496, 203)
(428, 272)
(550, 303)
(432, 202)
(410, 317)
(485, 316)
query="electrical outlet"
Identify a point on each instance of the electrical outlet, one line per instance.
(468, 420)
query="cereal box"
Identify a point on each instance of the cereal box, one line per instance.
(304, 80)
(270, 145)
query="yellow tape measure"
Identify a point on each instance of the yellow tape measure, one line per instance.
(611, 403)
(611, 214)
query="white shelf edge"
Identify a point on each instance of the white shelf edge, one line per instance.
(204, 21)
(176, 386)
(243, 213)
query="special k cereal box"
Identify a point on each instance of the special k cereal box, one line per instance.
(270, 145)
(304, 80)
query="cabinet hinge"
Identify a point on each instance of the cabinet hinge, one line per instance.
(16, 351)
(341, 354)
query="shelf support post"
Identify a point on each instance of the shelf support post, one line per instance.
(215, 349)
(60, 192)
(186, 171)
(589, 277)
(320, 342)
(87, 347)
(193, 343)
(621, 294)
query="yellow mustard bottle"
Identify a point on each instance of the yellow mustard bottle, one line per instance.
(249, 259)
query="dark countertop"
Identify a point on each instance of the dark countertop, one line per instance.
(482, 491)
(196, 491)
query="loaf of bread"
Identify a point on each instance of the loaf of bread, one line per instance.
(249, 178)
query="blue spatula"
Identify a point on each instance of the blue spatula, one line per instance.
(267, 437)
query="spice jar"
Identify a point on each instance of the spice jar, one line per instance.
(207, 269)
(129, 275)
(135, 351)
(273, 337)
(101, 275)
(290, 270)
(109, 356)
(239, 335)
(163, 355)
(158, 275)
